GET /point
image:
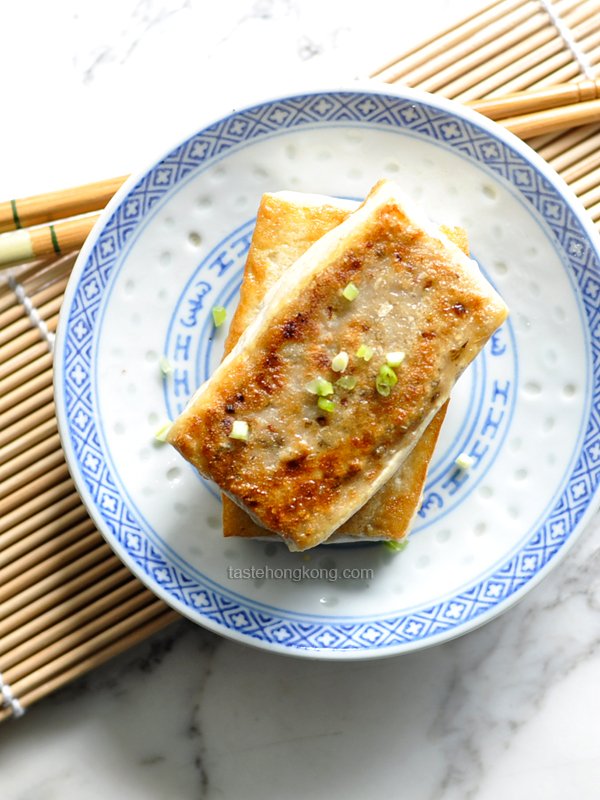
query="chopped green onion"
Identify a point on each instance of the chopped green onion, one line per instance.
(350, 292)
(395, 359)
(364, 351)
(387, 375)
(326, 405)
(347, 382)
(464, 461)
(165, 366)
(340, 362)
(385, 379)
(219, 315)
(161, 433)
(397, 546)
(320, 387)
(239, 430)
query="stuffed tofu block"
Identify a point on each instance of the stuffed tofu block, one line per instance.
(388, 516)
(287, 224)
(385, 290)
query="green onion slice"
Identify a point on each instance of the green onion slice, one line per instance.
(219, 315)
(387, 375)
(161, 433)
(239, 430)
(320, 387)
(350, 292)
(397, 546)
(325, 404)
(347, 382)
(385, 379)
(464, 461)
(165, 366)
(364, 351)
(339, 362)
(395, 359)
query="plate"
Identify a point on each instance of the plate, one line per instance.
(172, 244)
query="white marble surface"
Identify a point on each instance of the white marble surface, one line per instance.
(508, 711)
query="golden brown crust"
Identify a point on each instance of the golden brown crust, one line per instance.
(271, 253)
(388, 515)
(285, 229)
(300, 485)
(458, 236)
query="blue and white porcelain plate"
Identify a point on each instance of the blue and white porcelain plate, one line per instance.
(172, 244)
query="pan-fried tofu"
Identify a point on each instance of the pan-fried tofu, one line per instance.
(388, 516)
(287, 224)
(269, 428)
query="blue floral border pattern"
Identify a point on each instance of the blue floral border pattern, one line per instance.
(380, 111)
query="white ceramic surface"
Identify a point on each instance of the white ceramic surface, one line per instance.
(172, 245)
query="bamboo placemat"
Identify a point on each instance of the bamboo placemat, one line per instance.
(511, 46)
(67, 604)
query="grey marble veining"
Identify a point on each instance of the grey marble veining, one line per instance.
(189, 714)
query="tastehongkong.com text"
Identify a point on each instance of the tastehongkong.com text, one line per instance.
(302, 573)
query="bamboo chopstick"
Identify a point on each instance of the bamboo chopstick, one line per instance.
(575, 99)
(35, 210)
(28, 244)
(553, 119)
(537, 100)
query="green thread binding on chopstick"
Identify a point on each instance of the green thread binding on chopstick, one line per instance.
(55, 243)
(13, 204)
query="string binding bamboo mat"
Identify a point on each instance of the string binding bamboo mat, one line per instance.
(67, 604)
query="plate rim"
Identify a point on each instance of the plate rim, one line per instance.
(450, 107)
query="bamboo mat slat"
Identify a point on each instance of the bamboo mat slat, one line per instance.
(67, 604)
(510, 47)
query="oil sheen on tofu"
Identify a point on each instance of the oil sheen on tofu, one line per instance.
(304, 470)
(287, 224)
